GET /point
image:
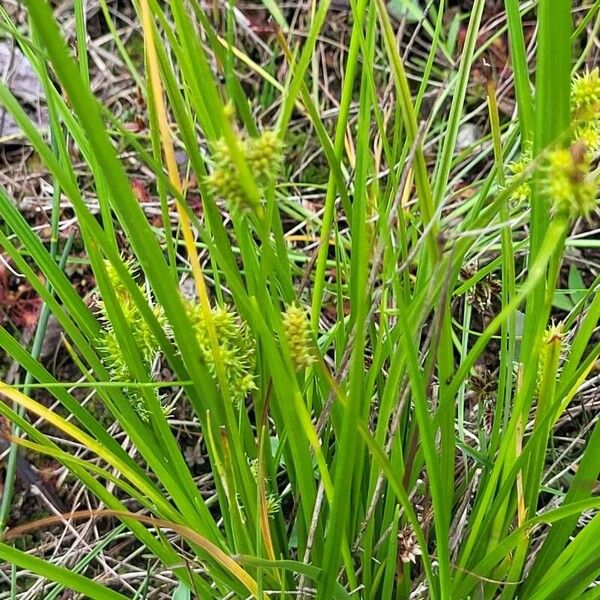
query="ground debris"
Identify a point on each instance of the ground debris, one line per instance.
(17, 73)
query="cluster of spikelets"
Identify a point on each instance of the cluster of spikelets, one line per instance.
(298, 336)
(144, 338)
(235, 346)
(585, 109)
(233, 359)
(263, 155)
(236, 350)
(570, 185)
(273, 500)
(569, 182)
(516, 170)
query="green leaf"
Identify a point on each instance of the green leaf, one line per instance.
(576, 285)
(276, 13)
(64, 577)
(405, 9)
(562, 300)
(182, 592)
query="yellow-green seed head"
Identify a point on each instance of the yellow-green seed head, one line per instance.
(552, 345)
(589, 135)
(516, 169)
(585, 96)
(236, 348)
(265, 155)
(273, 504)
(145, 340)
(298, 335)
(119, 370)
(112, 274)
(571, 189)
(253, 463)
(554, 334)
(221, 153)
(117, 284)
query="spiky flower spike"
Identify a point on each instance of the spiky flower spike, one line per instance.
(236, 348)
(145, 339)
(553, 350)
(588, 133)
(298, 336)
(264, 156)
(571, 187)
(585, 95)
(516, 171)
(273, 499)
(224, 181)
(585, 109)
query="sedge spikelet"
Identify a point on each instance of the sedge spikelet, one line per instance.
(273, 500)
(566, 181)
(264, 156)
(588, 134)
(553, 348)
(298, 336)
(516, 170)
(144, 338)
(236, 348)
(585, 109)
(585, 95)
(572, 190)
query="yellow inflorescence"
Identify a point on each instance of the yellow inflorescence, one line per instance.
(553, 340)
(263, 155)
(516, 169)
(568, 179)
(585, 109)
(145, 340)
(236, 348)
(585, 95)
(572, 192)
(298, 336)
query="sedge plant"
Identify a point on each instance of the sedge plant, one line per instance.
(365, 433)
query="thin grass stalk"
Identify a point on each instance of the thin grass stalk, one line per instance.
(62, 575)
(464, 71)
(339, 137)
(426, 203)
(36, 348)
(347, 451)
(127, 207)
(551, 517)
(297, 75)
(189, 238)
(586, 20)
(508, 331)
(521, 70)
